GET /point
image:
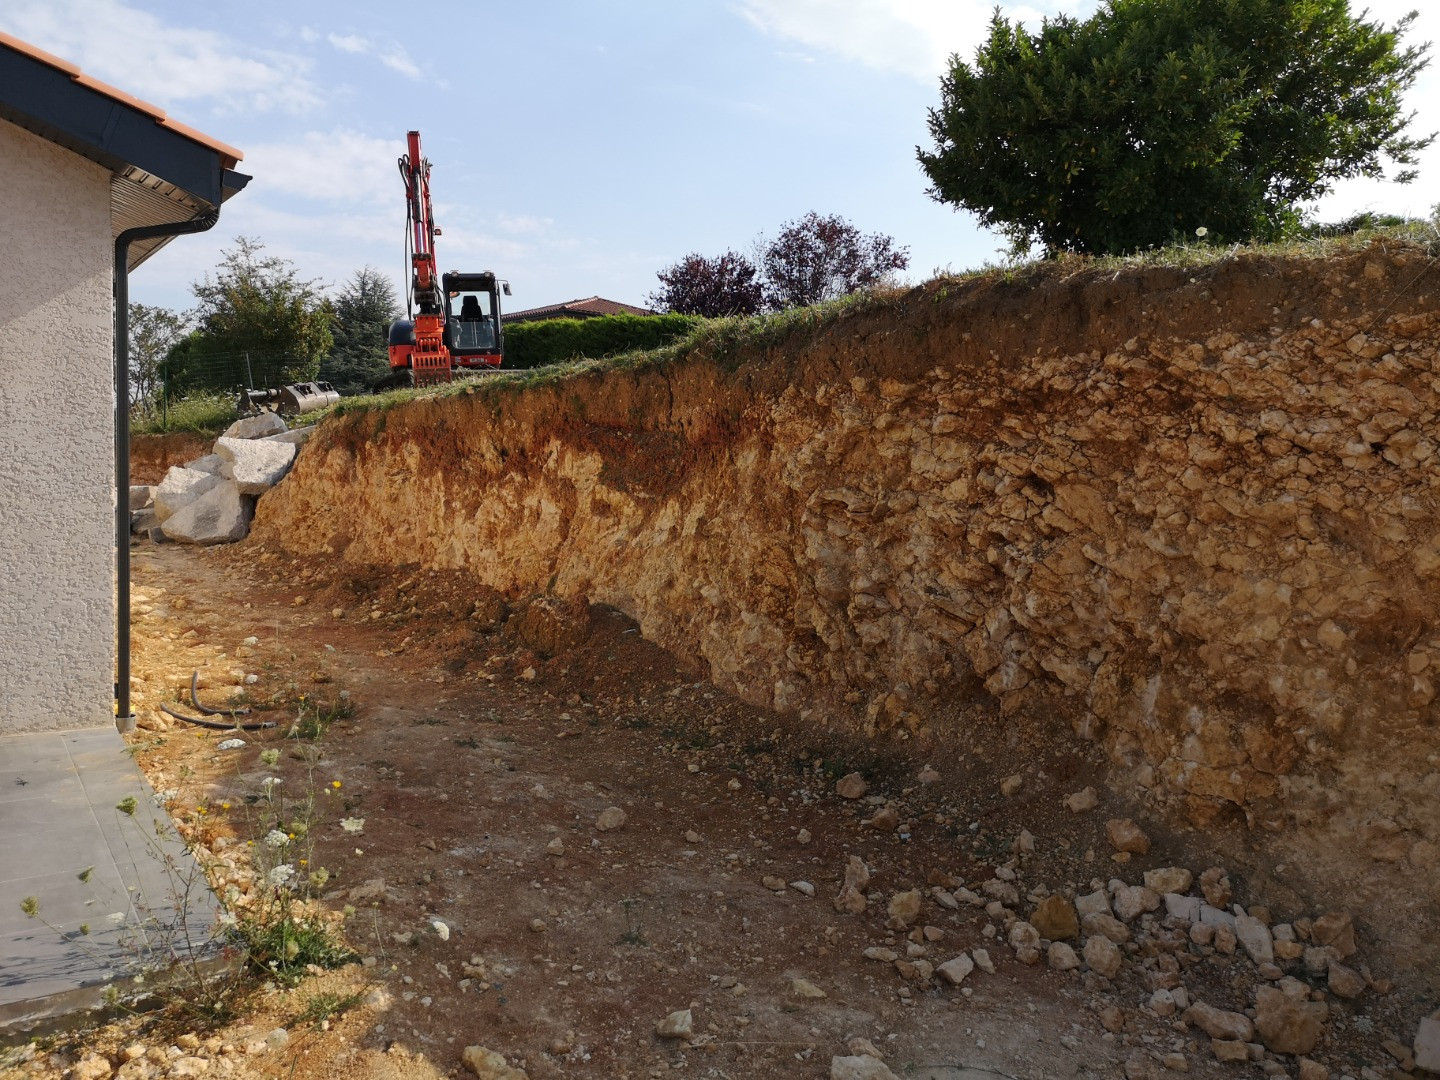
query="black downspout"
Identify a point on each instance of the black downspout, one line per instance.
(124, 718)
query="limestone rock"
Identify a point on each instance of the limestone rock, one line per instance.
(1061, 957)
(678, 1025)
(852, 786)
(1169, 879)
(210, 463)
(1082, 800)
(143, 522)
(885, 819)
(1132, 901)
(255, 427)
(880, 953)
(1106, 926)
(140, 496)
(1095, 903)
(1011, 785)
(955, 971)
(1229, 1050)
(1254, 937)
(1337, 930)
(904, 907)
(851, 898)
(1182, 907)
(220, 516)
(295, 436)
(1103, 956)
(179, 488)
(610, 819)
(1343, 981)
(983, 961)
(1288, 1025)
(1215, 884)
(1055, 919)
(859, 1067)
(255, 465)
(92, 1067)
(488, 1065)
(1125, 835)
(1220, 1024)
(804, 988)
(1313, 1070)
(1427, 1043)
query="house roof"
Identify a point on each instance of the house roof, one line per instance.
(161, 170)
(587, 308)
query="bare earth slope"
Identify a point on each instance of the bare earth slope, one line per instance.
(1186, 512)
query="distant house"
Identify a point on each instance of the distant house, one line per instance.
(84, 167)
(588, 308)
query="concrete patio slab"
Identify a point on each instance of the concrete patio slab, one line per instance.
(117, 892)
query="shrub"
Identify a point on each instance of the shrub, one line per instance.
(550, 341)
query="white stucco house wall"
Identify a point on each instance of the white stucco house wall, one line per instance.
(80, 163)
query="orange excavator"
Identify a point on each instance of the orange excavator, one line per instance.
(453, 320)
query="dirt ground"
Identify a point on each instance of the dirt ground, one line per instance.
(486, 740)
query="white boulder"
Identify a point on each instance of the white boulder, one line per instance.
(219, 516)
(180, 487)
(255, 427)
(210, 463)
(256, 465)
(140, 496)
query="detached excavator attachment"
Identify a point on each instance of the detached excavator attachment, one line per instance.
(293, 399)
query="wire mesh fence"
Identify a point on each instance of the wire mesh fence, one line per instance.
(194, 392)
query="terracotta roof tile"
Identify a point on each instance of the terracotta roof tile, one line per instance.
(588, 306)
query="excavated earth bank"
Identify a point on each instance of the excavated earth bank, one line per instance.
(1191, 512)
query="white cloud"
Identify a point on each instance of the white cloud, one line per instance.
(334, 166)
(394, 57)
(162, 62)
(912, 37)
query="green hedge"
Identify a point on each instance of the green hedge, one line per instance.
(549, 341)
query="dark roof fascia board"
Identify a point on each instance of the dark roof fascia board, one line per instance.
(48, 102)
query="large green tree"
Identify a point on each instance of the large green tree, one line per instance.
(363, 311)
(1156, 118)
(154, 331)
(258, 321)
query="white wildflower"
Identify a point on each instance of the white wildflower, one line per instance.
(268, 784)
(1202, 232)
(276, 839)
(281, 875)
(227, 921)
(352, 824)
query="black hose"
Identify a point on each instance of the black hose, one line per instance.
(215, 725)
(206, 711)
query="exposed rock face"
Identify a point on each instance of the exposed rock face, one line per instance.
(1189, 510)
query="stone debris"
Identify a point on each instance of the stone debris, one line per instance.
(804, 988)
(610, 819)
(678, 1025)
(210, 463)
(140, 496)
(859, 1067)
(220, 515)
(1055, 918)
(1254, 937)
(488, 1065)
(1169, 879)
(1103, 956)
(1082, 800)
(180, 487)
(1011, 785)
(851, 898)
(852, 786)
(1061, 957)
(1215, 884)
(1219, 1023)
(1335, 930)
(255, 427)
(255, 465)
(1288, 1022)
(904, 908)
(1427, 1043)
(955, 971)
(1124, 835)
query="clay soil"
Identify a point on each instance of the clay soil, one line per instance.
(484, 730)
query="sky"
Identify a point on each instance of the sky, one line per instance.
(578, 147)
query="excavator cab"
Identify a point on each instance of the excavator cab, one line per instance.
(472, 318)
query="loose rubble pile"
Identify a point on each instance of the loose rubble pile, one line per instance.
(211, 500)
(1175, 965)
